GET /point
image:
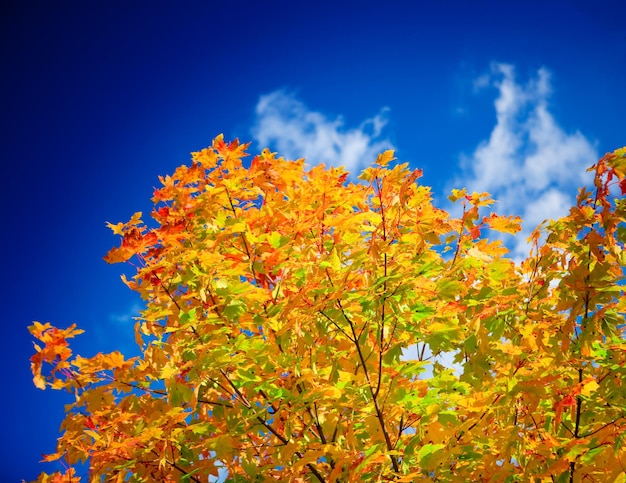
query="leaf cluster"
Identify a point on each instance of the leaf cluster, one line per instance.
(280, 301)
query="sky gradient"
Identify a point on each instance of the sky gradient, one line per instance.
(99, 98)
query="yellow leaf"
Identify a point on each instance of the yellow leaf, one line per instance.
(40, 381)
(504, 224)
(135, 219)
(168, 371)
(335, 263)
(118, 228)
(51, 457)
(589, 387)
(457, 194)
(511, 349)
(333, 392)
(93, 434)
(383, 159)
(117, 255)
(474, 252)
(238, 227)
(37, 329)
(138, 338)
(58, 384)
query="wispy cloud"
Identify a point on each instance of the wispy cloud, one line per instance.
(287, 125)
(127, 316)
(529, 163)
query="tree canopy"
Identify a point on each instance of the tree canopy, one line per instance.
(281, 303)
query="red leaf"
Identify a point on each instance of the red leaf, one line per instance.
(568, 400)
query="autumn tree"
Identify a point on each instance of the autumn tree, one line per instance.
(279, 301)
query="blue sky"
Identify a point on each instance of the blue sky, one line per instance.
(99, 98)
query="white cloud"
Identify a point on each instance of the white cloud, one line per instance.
(529, 163)
(128, 316)
(286, 125)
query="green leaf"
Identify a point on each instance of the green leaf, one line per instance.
(426, 452)
(449, 289)
(234, 309)
(200, 428)
(187, 476)
(277, 240)
(188, 317)
(392, 356)
(179, 394)
(448, 418)
(619, 442)
(591, 455)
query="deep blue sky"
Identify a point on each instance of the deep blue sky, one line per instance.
(98, 98)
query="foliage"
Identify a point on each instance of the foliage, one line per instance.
(280, 301)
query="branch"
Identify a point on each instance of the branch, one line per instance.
(241, 397)
(161, 392)
(379, 414)
(337, 326)
(381, 341)
(479, 419)
(591, 433)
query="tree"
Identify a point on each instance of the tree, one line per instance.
(279, 302)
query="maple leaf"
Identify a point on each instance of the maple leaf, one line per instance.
(504, 224)
(118, 255)
(118, 228)
(385, 158)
